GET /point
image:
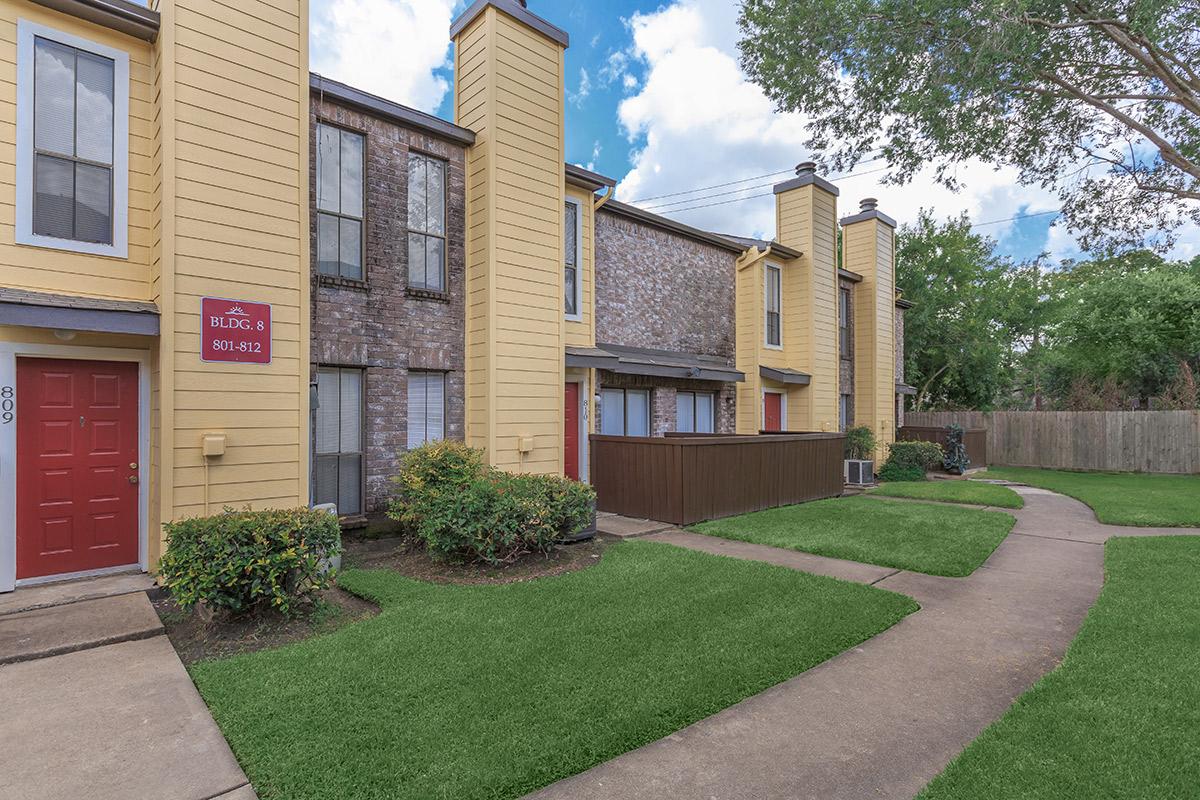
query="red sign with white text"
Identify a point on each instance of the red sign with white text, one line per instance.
(234, 330)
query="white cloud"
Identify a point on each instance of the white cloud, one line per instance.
(700, 122)
(387, 47)
(577, 97)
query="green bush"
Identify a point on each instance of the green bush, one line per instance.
(243, 561)
(463, 509)
(891, 472)
(860, 443)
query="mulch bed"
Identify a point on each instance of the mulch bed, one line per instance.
(412, 561)
(197, 640)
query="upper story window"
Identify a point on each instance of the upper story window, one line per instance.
(773, 303)
(426, 222)
(844, 322)
(339, 202)
(572, 259)
(72, 143)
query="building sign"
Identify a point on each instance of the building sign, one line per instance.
(234, 330)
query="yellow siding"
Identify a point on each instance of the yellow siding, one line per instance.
(234, 223)
(510, 93)
(749, 341)
(59, 271)
(583, 332)
(869, 250)
(806, 220)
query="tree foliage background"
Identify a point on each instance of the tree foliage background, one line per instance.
(1110, 333)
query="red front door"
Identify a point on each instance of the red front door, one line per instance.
(77, 454)
(772, 411)
(571, 431)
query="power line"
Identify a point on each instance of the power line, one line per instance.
(749, 196)
(1012, 219)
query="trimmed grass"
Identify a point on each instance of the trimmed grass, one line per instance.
(938, 540)
(494, 691)
(979, 494)
(1120, 717)
(1121, 498)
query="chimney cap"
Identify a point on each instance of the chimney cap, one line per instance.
(806, 168)
(868, 204)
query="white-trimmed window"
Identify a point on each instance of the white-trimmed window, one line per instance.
(625, 412)
(340, 193)
(844, 323)
(695, 412)
(426, 407)
(844, 412)
(573, 259)
(338, 438)
(773, 305)
(426, 222)
(72, 137)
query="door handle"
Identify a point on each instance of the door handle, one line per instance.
(133, 478)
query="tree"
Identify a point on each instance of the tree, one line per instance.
(1131, 321)
(958, 336)
(1097, 99)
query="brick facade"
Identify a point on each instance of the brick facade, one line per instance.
(664, 291)
(378, 324)
(846, 359)
(899, 365)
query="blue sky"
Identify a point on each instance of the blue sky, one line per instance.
(656, 100)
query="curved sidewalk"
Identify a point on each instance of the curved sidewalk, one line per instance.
(880, 720)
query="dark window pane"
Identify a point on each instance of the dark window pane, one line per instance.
(352, 174)
(93, 203)
(350, 484)
(570, 231)
(416, 260)
(436, 198)
(54, 197)
(327, 244)
(435, 263)
(570, 290)
(350, 249)
(326, 482)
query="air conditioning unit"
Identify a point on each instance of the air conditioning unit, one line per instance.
(859, 473)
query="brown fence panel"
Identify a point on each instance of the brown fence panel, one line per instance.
(975, 440)
(687, 479)
(1115, 441)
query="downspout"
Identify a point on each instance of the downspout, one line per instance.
(605, 198)
(755, 259)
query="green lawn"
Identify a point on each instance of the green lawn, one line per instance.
(494, 691)
(972, 493)
(1121, 498)
(939, 540)
(1121, 716)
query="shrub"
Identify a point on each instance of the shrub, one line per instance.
(892, 472)
(463, 509)
(860, 443)
(956, 461)
(243, 561)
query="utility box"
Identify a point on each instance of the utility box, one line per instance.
(212, 445)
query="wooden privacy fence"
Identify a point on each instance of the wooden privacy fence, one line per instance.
(1114, 441)
(975, 440)
(687, 479)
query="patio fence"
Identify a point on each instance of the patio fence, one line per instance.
(1113, 441)
(688, 479)
(975, 440)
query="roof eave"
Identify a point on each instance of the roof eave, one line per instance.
(391, 111)
(129, 18)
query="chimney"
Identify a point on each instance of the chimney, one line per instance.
(868, 248)
(806, 220)
(515, 185)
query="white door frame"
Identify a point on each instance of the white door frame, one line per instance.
(582, 413)
(762, 409)
(9, 352)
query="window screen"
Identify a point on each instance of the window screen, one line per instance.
(695, 412)
(338, 439)
(339, 202)
(72, 143)
(773, 292)
(426, 222)
(571, 258)
(426, 407)
(625, 412)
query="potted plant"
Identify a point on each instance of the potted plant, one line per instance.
(860, 449)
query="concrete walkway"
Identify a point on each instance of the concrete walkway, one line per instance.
(881, 719)
(95, 705)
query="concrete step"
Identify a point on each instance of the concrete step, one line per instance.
(53, 631)
(45, 595)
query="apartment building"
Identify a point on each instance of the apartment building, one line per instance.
(225, 281)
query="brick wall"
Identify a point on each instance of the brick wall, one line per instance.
(664, 291)
(377, 324)
(899, 365)
(846, 360)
